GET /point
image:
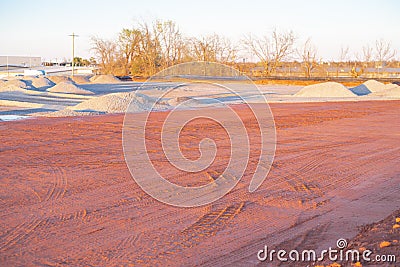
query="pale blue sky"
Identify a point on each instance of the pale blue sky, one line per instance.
(41, 27)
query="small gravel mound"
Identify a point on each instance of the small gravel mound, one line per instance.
(14, 85)
(327, 89)
(392, 91)
(59, 79)
(118, 103)
(104, 79)
(42, 82)
(80, 79)
(374, 86)
(69, 88)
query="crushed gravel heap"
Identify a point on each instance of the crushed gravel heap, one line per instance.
(392, 91)
(42, 82)
(69, 88)
(59, 79)
(374, 86)
(368, 87)
(104, 79)
(14, 85)
(118, 103)
(80, 79)
(327, 89)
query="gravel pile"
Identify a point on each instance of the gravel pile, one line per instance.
(69, 88)
(327, 89)
(104, 79)
(42, 82)
(14, 85)
(79, 79)
(391, 91)
(59, 79)
(118, 103)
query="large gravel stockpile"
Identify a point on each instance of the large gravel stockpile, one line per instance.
(69, 88)
(104, 79)
(42, 82)
(118, 103)
(328, 89)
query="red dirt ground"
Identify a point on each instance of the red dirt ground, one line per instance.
(68, 198)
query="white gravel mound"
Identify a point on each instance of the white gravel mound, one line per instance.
(104, 79)
(392, 91)
(42, 82)
(69, 88)
(118, 103)
(59, 79)
(327, 89)
(374, 86)
(14, 85)
(80, 79)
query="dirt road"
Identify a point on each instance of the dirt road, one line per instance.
(67, 197)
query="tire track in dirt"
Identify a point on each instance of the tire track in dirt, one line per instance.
(205, 227)
(22, 231)
(19, 233)
(60, 184)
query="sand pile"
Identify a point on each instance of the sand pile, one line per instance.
(391, 91)
(79, 79)
(69, 88)
(42, 82)
(14, 85)
(327, 89)
(104, 79)
(118, 103)
(370, 86)
(59, 79)
(374, 86)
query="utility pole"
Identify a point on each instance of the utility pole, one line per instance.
(8, 71)
(73, 35)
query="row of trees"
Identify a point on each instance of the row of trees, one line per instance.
(147, 48)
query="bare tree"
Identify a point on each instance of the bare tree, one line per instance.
(106, 52)
(367, 54)
(343, 57)
(344, 54)
(308, 56)
(129, 47)
(214, 48)
(150, 54)
(171, 42)
(271, 51)
(384, 51)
